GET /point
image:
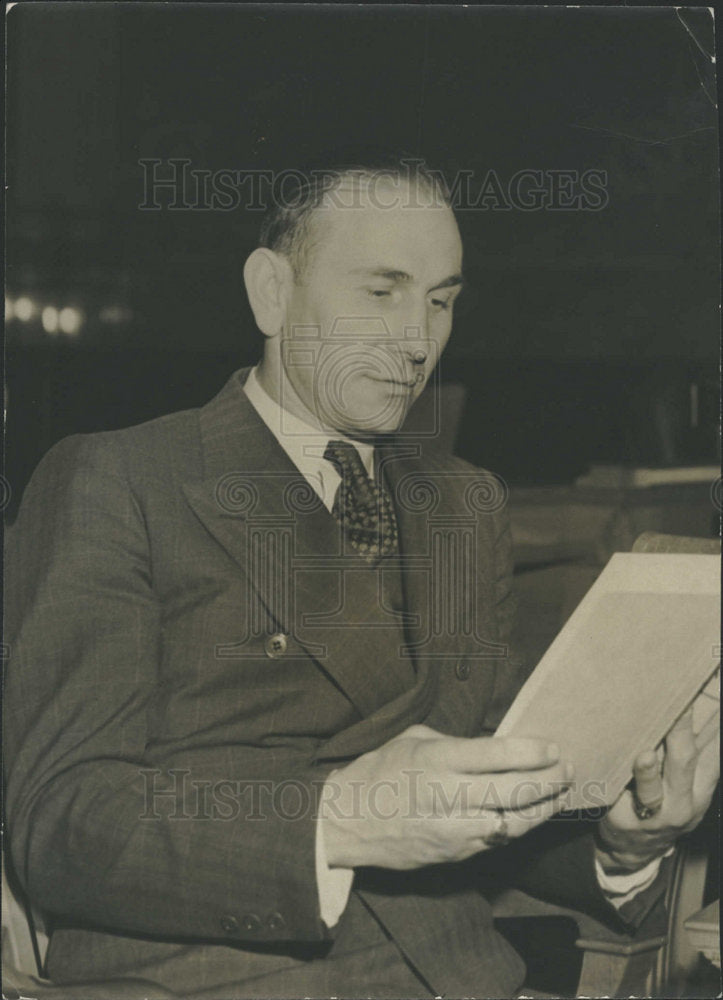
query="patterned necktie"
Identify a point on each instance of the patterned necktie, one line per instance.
(362, 507)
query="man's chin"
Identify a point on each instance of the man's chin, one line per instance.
(374, 437)
(363, 427)
(369, 430)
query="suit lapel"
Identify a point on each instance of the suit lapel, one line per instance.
(400, 464)
(445, 586)
(445, 543)
(262, 512)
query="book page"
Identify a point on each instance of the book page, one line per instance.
(640, 646)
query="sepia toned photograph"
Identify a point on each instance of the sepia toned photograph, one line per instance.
(362, 501)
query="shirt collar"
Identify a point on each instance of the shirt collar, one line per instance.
(305, 445)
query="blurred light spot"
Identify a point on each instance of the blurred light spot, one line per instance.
(115, 314)
(24, 308)
(49, 319)
(70, 320)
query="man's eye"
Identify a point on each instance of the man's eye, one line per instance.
(379, 293)
(442, 303)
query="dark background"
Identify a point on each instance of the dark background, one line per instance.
(583, 331)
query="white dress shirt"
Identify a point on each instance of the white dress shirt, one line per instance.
(305, 446)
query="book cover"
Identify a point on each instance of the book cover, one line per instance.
(640, 647)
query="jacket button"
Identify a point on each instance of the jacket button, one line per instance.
(276, 645)
(462, 670)
(251, 923)
(275, 922)
(229, 924)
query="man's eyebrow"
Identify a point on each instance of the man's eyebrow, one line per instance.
(389, 273)
(392, 274)
(451, 282)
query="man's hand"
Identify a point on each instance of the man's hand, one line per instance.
(424, 798)
(683, 784)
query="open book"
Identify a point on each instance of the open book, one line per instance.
(641, 647)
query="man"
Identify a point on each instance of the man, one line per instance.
(259, 650)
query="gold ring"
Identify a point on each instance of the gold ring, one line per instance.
(501, 833)
(646, 810)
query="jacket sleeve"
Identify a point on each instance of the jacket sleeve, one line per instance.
(101, 830)
(556, 863)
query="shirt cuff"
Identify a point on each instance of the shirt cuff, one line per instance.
(333, 884)
(620, 889)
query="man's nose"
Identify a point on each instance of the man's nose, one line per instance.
(412, 334)
(416, 322)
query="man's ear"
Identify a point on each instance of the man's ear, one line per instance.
(267, 276)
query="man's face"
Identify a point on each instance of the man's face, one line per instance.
(378, 288)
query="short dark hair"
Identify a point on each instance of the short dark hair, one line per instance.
(286, 225)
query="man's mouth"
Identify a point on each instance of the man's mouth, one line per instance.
(410, 383)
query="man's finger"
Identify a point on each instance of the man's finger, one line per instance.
(710, 731)
(707, 772)
(475, 827)
(682, 724)
(680, 756)
(648, 780)
(483, 755)
(512, 790)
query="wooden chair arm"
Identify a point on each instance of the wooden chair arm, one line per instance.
(615, 965)
(612, 964)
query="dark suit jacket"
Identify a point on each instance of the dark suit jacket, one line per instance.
(149, 569)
